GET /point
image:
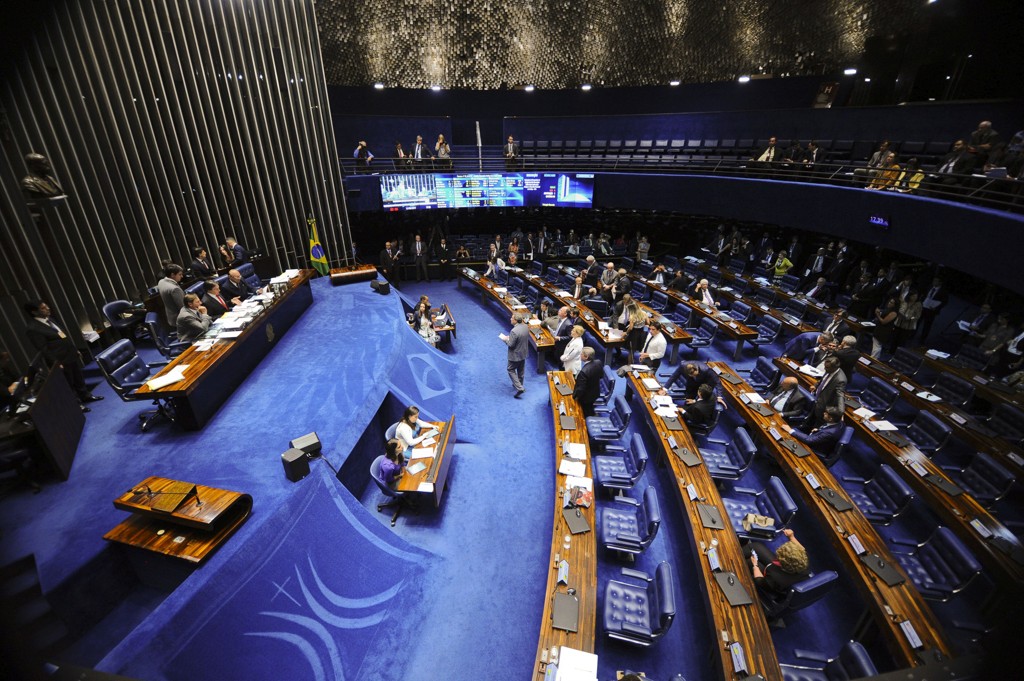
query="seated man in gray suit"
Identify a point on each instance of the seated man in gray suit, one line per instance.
(787, 399)
(192, 320)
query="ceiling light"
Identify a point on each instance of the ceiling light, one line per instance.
(850, 72)
(528, 88)
(435, 88)
(744, 79)
(673, 83)
(378, 86)
(586, 87)
(867, 80)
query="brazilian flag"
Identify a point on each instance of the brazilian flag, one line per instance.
(317, 256)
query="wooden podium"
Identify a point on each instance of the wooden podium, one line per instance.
(182, 520)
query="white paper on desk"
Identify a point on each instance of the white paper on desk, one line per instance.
(427, 442)
(937, 354)
(667, 412)
(535, 322)
(173, 376)
(651, 383)
(725, 288)
(500, 289)
(639, 367)
(864, 413)
(577, 450)
(425, 487)
(603, 326)
(755, 398)
(563, 294)
(662, 401)
(422, 453)
(204, 345)
(931, 397)
(867, 324)
(882, 425)
(577, 481)
(576, 665)
(230, 334)
(812, 371)
(570, 467)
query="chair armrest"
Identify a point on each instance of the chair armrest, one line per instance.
(633, 629)
(813, 655)
(158, 364)
(899, 424)
(637, 574)
(718, 442)
(628, 538)
(853, 478)
(952, 469)
(745, 490)
(976, 627)
(619, 476)
(606, 429)
(903, 541)
(627, 500)
(132, 387)
(612, 447)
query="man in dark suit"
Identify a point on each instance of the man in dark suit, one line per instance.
(769, 156)
(236, 287)
(420, 258)
(420, 153)
(511, 151)
(562, 331)
(931, 306)
(818, 291)
(216, 304)
(954, 168)
(836, 324)
(800, 346)
(234, 253)
(824, 349)
(388, 260)
(588, 382)
(49, 338)
(830, 389)
(201, 267)
(822, 439)
(787, 399)
(701, 411)
(444, 257)
(680, 282)
(847, 354)
(693, 375)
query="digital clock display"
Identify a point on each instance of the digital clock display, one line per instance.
(879, 221)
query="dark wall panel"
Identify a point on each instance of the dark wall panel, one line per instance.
(170, 124)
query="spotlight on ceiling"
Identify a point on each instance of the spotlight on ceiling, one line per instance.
(850, 72)
(435, 88)
(867, 80)
(378, 86)
(673, 83)
(529, 88)
(585, 87)
(744, 79)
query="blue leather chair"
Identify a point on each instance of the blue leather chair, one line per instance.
(940, 567)
(620, 467)
(767, 331)
(659, 301)
(627, 526)
(799, 347)
(840, 446)
(126, 373)
(906, 362)
(740, 311)
(640, 614)
(168, 347)
(853, 662)
(733, 461)
(599, 306)
(972, 357)
(680, 316)
(704, 334)
(953, 389)
(764, 376)
(1008, 423)
(765, 296)
(607, 387)
(536, 267)
(125, 327)
(984, 479)
(196, 288)
(392, 430)
(799, 596)
(613, 426)
(773, 501)
(928, 433)
(639, 291)
(789, 282)
(882, 498)
(398, 500)
(795, 308)
(706, 429)
(248, 272)
(627, 264)
(879, 396)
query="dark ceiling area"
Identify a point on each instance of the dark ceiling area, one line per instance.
(908, 50)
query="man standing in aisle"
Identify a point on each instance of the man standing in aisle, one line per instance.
(518, 344)
(419, 255)
(49, 338)
(171, 294)
(588, 382)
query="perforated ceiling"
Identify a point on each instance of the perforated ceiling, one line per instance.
(487, 44)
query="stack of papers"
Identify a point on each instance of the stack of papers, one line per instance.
(576, 665)
(931, 397)
(576, 481)
(667, 412)
(937, 354)
(422, 453)
(864, 413)
(651, 383)
(563, 294)
(173, 376)
(812, 371)
(577, 450)
(572, 468)
(754, 397)
(662, 401)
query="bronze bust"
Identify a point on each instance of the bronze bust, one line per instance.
(40, 183)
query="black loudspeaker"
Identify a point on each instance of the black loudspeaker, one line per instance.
(381, 286)
(309, 443)
(296, 465)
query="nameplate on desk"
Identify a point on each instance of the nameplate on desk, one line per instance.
(833, 499)
(672, 423)
(710, 517)
(691, 492)
(908, 630)
(882, 568)
(1014, 457)
(919, 469)
(812, 480)
(945, 485)
(686, 456)
(739, 659)
(734, 591)
(735, 380)
(980, 528)
(566, 422)
(858, 548)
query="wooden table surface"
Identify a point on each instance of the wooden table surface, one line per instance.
(195, 529)
(957, 512)
(888, 605)
(982, 383)
(745, 624)
(437, 475)
(582, 554)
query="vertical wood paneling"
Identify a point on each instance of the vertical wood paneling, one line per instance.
(170, 124)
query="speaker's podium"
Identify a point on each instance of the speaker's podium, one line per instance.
(175, 526)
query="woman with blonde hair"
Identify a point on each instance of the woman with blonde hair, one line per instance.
(775, 573)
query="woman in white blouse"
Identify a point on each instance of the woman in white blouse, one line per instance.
(573, 351)
(411, 431)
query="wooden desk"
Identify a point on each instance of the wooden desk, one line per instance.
(956, 511)
(192, 531)
(582, 555)
(447, 328)
(888, 605)
(436, 472)
(745, 624)
(982, 383)
(540, 336)
(352, 274)
(212, 375)
(965, 426)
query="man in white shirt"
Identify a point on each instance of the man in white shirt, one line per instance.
(654, 346)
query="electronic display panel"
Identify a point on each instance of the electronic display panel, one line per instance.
(486, 190)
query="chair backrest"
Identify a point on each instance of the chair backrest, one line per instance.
(764, 372)
(769, 327)
(112, 311)
(928, 432)
(195, 288)
(775, 502)
(652, 515)
(377, 478)
(392, 430)
(906, 362)
(973, 356)
(1007, 421)
(953, 389)
(636, 455)
(853, 662)
(598, 306)
(659, 300)
(122, 367)
(943, 555)
(797, 308)
(879, 396)
(622, 412)
(888, 491)
(709, 327)
(740, 311)
(742, 449)
(680, 315)
(664, 592)
(988, 480)
(841, 444)
(789, 282)
(765, 296)
(638, 290)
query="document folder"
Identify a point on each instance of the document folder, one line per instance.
(883, 569)
(576, 521)
(735, 380)
(565, 614)
(762, 409)
(795, 447)
(945, 485)
(563, 389)
(833, 499)
(710, 517)
(566, 422)
(733, 590)
(672, 423)
(892, 437)
(686, 456)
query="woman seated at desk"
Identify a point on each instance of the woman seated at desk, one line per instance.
(410, 428)
(776, 573)
(424, 324)
(393, 465)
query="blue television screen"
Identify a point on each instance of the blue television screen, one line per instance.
(482, 190)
